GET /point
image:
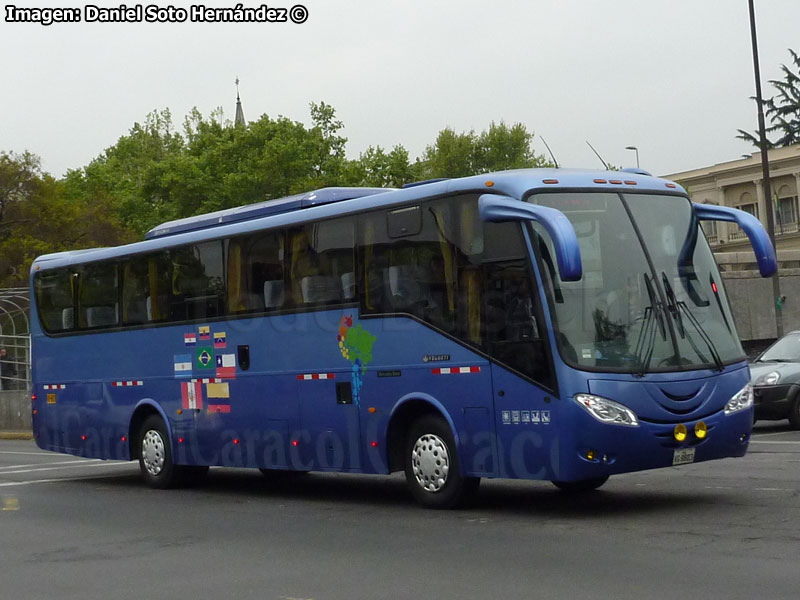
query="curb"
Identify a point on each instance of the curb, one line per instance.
(16, 435)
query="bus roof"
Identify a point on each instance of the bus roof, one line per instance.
(332, 202)
(262, 209)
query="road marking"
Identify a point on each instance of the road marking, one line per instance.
(10, 504)
(29, 453)
(768, 442)
(62, 462)
(769, 434)
(772, 490)
(93, 463)
(17, 483)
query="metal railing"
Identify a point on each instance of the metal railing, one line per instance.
(15, 366)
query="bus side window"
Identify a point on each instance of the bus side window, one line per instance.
(256, 273)
(146, 283)
(54, 300)
(407, 263)
(98, 295)
(197, 282)
(321, 266)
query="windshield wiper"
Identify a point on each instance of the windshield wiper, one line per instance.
(672, 305)
(676, 307)
(655, 303)
(648, 327)
(644, 350)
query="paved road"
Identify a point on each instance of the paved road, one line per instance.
(81, 529)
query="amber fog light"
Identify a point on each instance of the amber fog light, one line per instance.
(700, 430)
(679, 432)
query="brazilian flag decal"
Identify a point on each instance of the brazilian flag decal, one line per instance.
(204, 358)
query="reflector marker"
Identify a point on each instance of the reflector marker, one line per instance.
(670, 185)
(315, 376)
(631, 182)
(615, 181)
(455, 370)
(133, 383)
(55, 386)
(600, 181)
(207, 380)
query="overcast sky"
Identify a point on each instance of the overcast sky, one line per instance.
(672, 77)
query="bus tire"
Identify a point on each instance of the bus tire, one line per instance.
(155, 455)
(577, 487)
(430, 462)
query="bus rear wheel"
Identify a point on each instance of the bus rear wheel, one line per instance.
(155, 455)
(577, 487)
(431, 465)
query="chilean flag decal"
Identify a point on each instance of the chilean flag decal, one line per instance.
(226, 366)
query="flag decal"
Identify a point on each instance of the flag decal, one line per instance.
(183, 365)
(219, 340)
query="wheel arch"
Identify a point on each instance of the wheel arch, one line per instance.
(405, 411)
(145, 408)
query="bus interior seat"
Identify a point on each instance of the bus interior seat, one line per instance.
(320, 289)
(406, 285)
(348, 285)
(274, 293)
(68, 318)
(136, 312)
(99, 316)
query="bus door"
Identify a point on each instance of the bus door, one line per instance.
(522, 372)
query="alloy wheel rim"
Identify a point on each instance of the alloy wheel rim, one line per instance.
(430, 462)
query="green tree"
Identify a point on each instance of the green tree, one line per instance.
(41, 217)
(782, 110)
(451, 155)
(128, 175)
(155, 174)
(498, 148)
(19, 178)
(377, 168)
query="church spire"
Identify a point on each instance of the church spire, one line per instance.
(239, 120)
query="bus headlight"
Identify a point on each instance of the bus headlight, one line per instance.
(607, 411)
(742, 400)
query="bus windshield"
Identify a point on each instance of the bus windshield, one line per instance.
(651, 297)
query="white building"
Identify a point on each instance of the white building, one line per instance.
(739, 184)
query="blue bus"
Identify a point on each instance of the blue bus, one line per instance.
(561, 325)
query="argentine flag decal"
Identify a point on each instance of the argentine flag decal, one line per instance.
(183, 365)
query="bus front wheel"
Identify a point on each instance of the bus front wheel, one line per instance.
(155, 455)
(431, 465)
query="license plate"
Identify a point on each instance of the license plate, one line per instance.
(683, 456)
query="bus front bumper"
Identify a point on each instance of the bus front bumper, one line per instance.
(601, 449)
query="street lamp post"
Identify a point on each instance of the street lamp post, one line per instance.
(635, 149)
(762, 134)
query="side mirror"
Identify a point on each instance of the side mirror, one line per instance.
(497, 209)
(759, 240)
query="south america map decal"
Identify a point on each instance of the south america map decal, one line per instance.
(355, 344)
